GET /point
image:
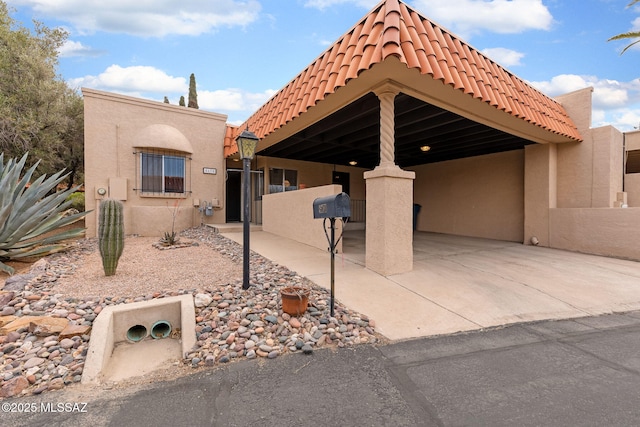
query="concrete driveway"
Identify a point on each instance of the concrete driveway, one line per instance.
(462, 283)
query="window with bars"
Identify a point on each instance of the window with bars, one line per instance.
(162, 173)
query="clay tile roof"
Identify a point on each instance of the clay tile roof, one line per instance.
(394, 29)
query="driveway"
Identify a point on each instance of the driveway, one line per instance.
(463, 283)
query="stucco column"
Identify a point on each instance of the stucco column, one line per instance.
(389, 229)
(540, 191)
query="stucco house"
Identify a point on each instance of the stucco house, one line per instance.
(397, 112)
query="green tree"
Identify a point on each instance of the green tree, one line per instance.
(628, 35)
(193, 95)
(166, 100)
(35, 103)
(181, 103)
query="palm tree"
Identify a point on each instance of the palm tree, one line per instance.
(629, 35)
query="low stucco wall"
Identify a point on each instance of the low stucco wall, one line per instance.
(290, 215)
(601, 231)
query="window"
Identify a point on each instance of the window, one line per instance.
(282, 180)
(162, 173)
(633, 161)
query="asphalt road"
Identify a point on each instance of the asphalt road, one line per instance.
(582, 372)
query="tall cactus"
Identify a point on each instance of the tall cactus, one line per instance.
(110, 234)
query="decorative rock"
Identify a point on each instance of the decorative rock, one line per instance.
(209, 360)
(34, 361)
(56, 384)
(12, 337)
(271, 319)
(5, 298)
(251, 354)
(66, 343)
(53, 325)
(8, 311)
(231, 338)
(307, 349)
(13, 387)
(295, 323)
(17, 282)
(74, 331)
(60, 313)
(202, 300)
(273, 354)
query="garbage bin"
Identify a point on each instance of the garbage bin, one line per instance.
(416, 211)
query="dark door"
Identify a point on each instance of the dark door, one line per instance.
(341, 178)
(234, 192)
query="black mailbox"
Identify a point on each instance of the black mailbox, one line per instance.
(336, 206)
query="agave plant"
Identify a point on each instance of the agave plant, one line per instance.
(170, 239)
(29, 210)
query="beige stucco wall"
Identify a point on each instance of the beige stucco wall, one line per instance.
(290, 214)
(113, 124)
(590, 172)
(478, 196)
(602, 231)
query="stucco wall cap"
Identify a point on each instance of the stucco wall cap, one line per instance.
(163, 136)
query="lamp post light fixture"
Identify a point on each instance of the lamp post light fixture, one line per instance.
(247, 142)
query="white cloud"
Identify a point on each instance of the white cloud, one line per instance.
(130, 80)
(233, 100)
(323, 4)
(153, 18)
(71, 48)
(503, 56)
(152, 83)
(614, 103)
(466, 17)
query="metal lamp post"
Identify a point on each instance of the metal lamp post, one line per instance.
(247, 142)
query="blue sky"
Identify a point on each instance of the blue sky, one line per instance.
(242, 52)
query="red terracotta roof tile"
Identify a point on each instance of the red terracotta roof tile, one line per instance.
(394, 29)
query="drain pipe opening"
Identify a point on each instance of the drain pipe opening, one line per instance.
(161, 329)
(136, 333)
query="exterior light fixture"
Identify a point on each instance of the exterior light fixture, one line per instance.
(247, 142)
(425, 148)
(353, 162)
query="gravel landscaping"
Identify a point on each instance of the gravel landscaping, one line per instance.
(63, 293)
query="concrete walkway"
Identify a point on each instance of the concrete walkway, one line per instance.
(462, 283)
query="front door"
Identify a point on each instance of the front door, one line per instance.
(234, 193)
(341, 178)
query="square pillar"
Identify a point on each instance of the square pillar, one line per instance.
(540, 190)
(389, 230)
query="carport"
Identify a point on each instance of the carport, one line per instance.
(398, 91)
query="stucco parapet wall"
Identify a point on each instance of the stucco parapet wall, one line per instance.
(392, 171)
(175, 109)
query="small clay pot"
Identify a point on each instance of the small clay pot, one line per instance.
(294, 300)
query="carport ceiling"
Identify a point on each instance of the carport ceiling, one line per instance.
(353, 134)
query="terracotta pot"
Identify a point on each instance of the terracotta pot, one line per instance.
(294, 300)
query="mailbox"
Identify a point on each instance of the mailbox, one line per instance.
(335, 206)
